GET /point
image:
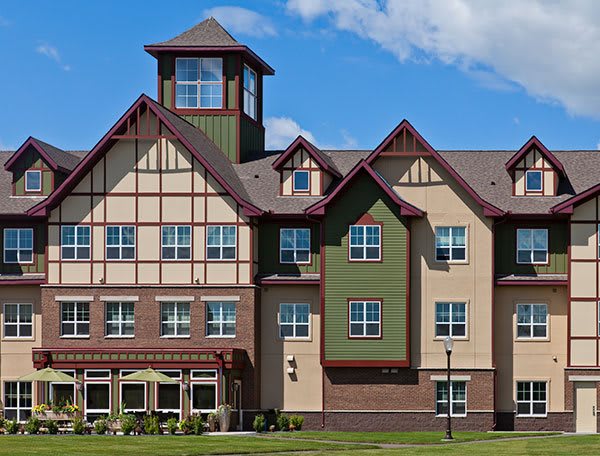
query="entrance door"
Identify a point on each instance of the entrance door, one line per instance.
(237, 402)
(585, 407)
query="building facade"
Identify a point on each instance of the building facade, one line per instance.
(316, 282)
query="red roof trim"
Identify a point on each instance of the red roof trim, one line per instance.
(566, 207)
(300, 141)
(99, 149)
(31, 142)
(488, 209)
(406, 208)
(22, 282)
(533, 141)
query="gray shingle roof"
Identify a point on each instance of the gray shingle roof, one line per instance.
(62, 158)
(207, 33)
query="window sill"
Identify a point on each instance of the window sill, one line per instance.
(18, 339)
(219, 337)
(175, 337)
(119, 337)
(532, 339)
(531, 416)
(74, 337)
(451, 416)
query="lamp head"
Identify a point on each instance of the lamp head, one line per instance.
(448, 344)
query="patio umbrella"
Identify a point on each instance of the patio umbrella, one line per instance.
(149, 375)
(47, 375)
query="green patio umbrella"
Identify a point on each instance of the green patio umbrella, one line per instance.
(47, 375)
(149, 375)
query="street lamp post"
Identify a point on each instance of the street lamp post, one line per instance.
(448, 344)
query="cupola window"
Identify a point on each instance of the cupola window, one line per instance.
(199, 83)
(250, 92)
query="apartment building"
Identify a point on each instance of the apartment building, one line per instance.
(316, 282)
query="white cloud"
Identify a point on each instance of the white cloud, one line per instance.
(550, 49)
(243, 21)
(281, 131)
(52, 53)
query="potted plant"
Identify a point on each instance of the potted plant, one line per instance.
(224, 417)
(212, 420)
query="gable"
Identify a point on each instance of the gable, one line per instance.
(535, 162)
(301, 160)
(31, 160)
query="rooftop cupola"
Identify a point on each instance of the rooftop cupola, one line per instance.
(214, 82)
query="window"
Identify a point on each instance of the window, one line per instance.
(199, 83)
(250, 92)
(203, 374)
(532, 246)
(33, 181)
(294, 245)
(17, 400)
(75, 242)
(175, 319)
(531, 398)
(120, 319)
(204, 397)
(97, 374)
(365, 318)
(221, 242)
(450, 319)
(18, 245)
(533, 181)
(120, 242)
(450, 243)
(301, 181)
(63, 392)
(220, 319)
(169, 394)
(458, 398)
(133, 394)
(176, 243)
(97, 400)
(294, 321)
(18, 321)
(532, 321)
(365, 242)
(75, 319)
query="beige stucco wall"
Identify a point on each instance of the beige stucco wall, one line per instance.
(535, 159)
(301, 391)
(530, 359)
(424, 183)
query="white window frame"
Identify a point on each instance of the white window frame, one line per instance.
(18, 409)
(76, 321)
(451, 247)
(196, 382)
(531, 402)
(18, 249)
(177, 245)
(250, 95)
(438, 403)
(18, 324)
(76, 245)
(364, 320)
(532, 249)
(27, 174)
(122, 373)
(199, 83)
(363, 244)
(120, 322)
(531, 324)
(195, 371)
(294, 249)
(89, 411)
(220, 321)
(294, 324)
(537, 171)
(221, 245)
(294, 187)
(176, 322)
(121, 245)
(106, 373)
(70, 372)
(451, 323)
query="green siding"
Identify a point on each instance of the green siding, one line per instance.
(252, 139)
(268, 241)
(32, 160)
(39, 252)
(385, 280)
(506, 249)
(221, 129)
(166, 70)
(230, 72)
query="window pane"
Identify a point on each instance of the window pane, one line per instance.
(169, 396)
(134, 396)
(204, 396)
(97, 396)
(301, 180)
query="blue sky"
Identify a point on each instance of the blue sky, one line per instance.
(346, 71)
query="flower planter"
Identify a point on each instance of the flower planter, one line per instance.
(224, 416)
(56, 416)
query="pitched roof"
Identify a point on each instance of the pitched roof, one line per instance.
(322, 159)
(57, 159)
(534, 142)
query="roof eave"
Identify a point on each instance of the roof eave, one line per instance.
(33, 143)
(534, 141)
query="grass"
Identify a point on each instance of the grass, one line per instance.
(104, 445)
(412, 438)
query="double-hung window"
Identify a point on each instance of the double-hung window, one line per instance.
(365, 242)
(532, 246)
(120, 319)
(220, 319)
(176, 242)
(301, 180)
(450, 319)
(33, 181)
(450, 243)
(17, 400)
(120, 242)
(532, 321)
(175, 319)
(458, 398)
(18, 321)
(365, 318)
(221, 242)
(199, 83)
(534, 181)
(294, 245)
(532, 398)
(294, 321)
(75, 242)
(75, 319)
(250, 92)
(18, 245)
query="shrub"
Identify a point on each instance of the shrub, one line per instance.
(52, 427)
(172, 425)
(128, 424)
(100, 426)
(33, 425)
(186, 425)
(283, 421)
(197, 424)
(259, 423)
(297, 421)
(78, 426)
(12, 426)
(151, 425)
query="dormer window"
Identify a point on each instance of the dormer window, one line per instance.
(199, 83)
(534, 181)
(33, 181)
(301, 181)
(250, 92)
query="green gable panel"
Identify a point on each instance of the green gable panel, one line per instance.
(385, 280)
